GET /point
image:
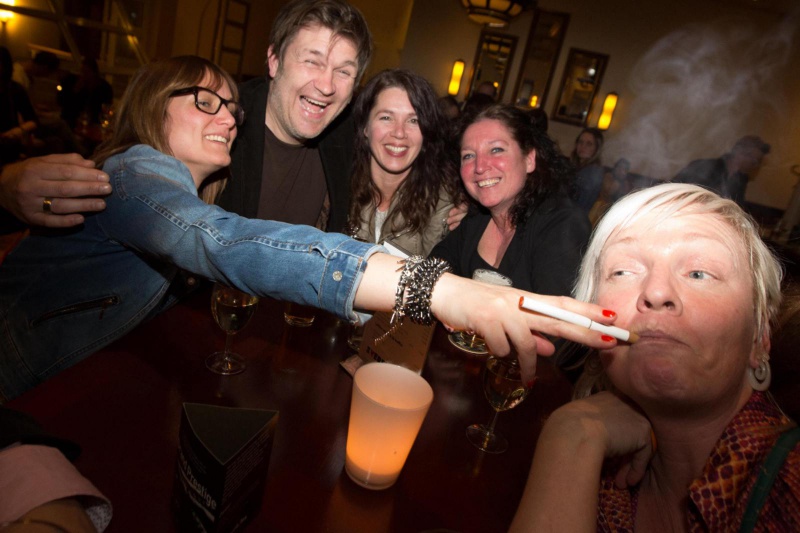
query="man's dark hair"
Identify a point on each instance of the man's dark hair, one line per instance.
(340, 17)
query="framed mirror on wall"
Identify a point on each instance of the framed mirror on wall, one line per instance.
(545, 39)
(580, 83)
(492, 61)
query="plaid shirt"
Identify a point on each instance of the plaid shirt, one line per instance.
(718, 498)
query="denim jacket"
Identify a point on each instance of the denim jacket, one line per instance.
(64, 295)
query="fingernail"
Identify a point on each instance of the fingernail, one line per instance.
(607, 338)
(609, 313)
(105, 188)
(530, 383)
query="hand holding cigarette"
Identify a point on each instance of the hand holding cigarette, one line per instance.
(574, 318)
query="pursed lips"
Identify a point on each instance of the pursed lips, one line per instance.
(655, 336)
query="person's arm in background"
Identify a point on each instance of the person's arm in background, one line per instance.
(39, 485)
(72, 183)
(25, 113)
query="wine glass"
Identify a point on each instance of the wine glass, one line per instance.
(502, 384)
(468, 341)
(232, 310)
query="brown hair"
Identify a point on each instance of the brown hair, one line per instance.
(597, 135)
(340, 17)
(142, 114)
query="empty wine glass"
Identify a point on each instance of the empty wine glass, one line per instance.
(502, 385)
(232, 310)
(469, 341)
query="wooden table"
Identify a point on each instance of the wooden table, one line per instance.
(123, 406)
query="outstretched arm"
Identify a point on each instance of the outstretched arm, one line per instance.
(489, 310)
(72, 183)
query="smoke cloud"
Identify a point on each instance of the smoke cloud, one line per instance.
(699, 89)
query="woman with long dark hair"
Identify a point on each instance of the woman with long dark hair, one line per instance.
(404, 180)
(525, 227)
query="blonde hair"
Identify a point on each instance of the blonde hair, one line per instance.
(668, 199)
(142, 114)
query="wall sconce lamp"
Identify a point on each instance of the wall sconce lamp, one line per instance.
(5, 16)
(455, 77)
(609, 105)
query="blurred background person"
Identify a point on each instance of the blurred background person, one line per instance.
(449, 107)
(488, 88)
(17, 116)
(404, 182)
(476, 103)
(523, 224)
(41, 76)
(588, 168)
(615, 185)
(727, 175)
(85, 99)
(539, 118)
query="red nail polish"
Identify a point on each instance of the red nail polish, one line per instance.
(530, 383)
(608, 313)
(607, 338)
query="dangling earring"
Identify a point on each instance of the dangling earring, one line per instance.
(761, 376)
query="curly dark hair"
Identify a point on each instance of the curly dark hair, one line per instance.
(434, 168)
(553, 172)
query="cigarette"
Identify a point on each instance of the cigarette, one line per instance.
(574, 318)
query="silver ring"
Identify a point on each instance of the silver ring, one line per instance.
(47, 204)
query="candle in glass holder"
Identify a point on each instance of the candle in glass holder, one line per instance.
(388, 407)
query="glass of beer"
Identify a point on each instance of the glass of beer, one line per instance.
(232, 310)
(469, 341)
(298, 315)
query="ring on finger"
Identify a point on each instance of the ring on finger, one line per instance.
(47, 205)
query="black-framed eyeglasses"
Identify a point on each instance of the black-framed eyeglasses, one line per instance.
(210, 102)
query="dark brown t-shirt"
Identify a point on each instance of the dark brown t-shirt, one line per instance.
(293, 187)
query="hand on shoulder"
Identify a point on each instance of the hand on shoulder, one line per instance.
(53, 190)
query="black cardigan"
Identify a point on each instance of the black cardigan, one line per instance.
(543, 256)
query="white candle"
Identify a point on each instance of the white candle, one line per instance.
(388, 407)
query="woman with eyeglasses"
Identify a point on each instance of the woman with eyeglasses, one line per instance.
(64, 295)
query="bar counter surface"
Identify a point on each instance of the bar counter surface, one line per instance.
(122, 405)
